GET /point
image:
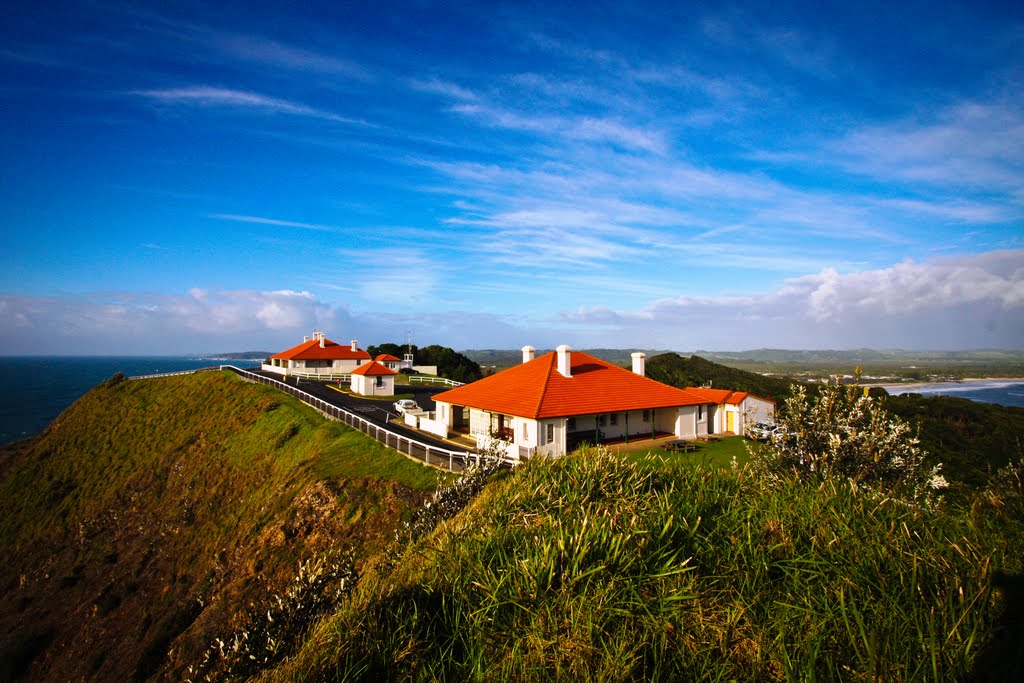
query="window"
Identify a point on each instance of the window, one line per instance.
(571, 424)
(614, 419)
(550, 432)
(380, 380)
(647, 416)
(526, 434)
(700, 413)
(602, 420)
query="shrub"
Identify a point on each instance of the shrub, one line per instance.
(844, 433)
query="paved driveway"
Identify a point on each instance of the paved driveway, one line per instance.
(377, 411)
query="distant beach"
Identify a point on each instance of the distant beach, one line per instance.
(1007, 391)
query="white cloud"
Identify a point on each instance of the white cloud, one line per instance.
(199, 321)
(969, 144)
(274, 221)
(260, 49)
(974, 301)
(209, 96)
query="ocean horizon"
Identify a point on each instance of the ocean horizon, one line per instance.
(34, 390)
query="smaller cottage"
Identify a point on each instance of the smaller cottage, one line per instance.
(373, 379)
(391, 362)
(733, 412)
(318, 357)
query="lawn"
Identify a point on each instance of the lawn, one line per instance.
(717, 453)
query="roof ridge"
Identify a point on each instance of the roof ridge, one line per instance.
(547, 381)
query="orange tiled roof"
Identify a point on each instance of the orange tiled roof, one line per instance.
(373, 368)
(716, 396)
(537, 390)
(311, 350)
(387, 357)
(723, 396)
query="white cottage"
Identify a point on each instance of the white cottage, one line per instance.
(551, 404)
(373, 379)
(317, 357)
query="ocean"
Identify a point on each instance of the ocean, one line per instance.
(35, 390)
(1007, 392)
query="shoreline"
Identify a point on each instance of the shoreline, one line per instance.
(908, 387)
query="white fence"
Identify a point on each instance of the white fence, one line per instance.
(179, 372)
(444, 381)
(428, 453)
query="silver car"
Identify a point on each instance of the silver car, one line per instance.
(406, 405)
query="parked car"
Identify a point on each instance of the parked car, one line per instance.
(406, 405)
(762, 431)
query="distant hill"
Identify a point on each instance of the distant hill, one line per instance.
(240, 355)
(673, 369)
(506, 358)
(857, 355)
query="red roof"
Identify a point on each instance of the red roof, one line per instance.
(373, 368)
(723, 396)
(311, 350)
(387, 358)
(536, 389)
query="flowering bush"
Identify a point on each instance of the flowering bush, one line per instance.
(273, 628)
(844, 433)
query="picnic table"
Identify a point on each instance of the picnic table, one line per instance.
(680, 446)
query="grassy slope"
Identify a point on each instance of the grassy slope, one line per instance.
(151, 512)
(606, 569)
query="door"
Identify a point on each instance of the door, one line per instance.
(730, 421)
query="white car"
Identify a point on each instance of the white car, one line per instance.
(406, 404)
(762, 431)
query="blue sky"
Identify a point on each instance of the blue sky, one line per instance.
(204, 178)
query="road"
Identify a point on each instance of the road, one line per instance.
(377, 411)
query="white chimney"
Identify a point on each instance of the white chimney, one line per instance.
(305, 338)
(322, 340)
(355, 345)
(528, 353)
(564, 367)
(639, 360)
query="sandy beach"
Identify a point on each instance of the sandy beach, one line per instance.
(905, 387)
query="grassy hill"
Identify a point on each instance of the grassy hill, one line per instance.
(147, 518)
(677, 371)
(155, 517)
(596, 568)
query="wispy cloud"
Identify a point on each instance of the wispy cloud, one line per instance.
(209, 96)
(262, 50)
(274, 221)
(972, 144)
(441, 87)
(583, 128)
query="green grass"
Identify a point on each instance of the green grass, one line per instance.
(605, 568)
(150, 498)
(717, 453)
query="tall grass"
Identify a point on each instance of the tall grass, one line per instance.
(161, 508)
(594, 567)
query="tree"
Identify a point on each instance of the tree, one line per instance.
(844, 433)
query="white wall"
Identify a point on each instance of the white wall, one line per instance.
(367, 386)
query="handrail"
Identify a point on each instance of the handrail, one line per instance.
(456, 460)
(172, 374)
(424, 379)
